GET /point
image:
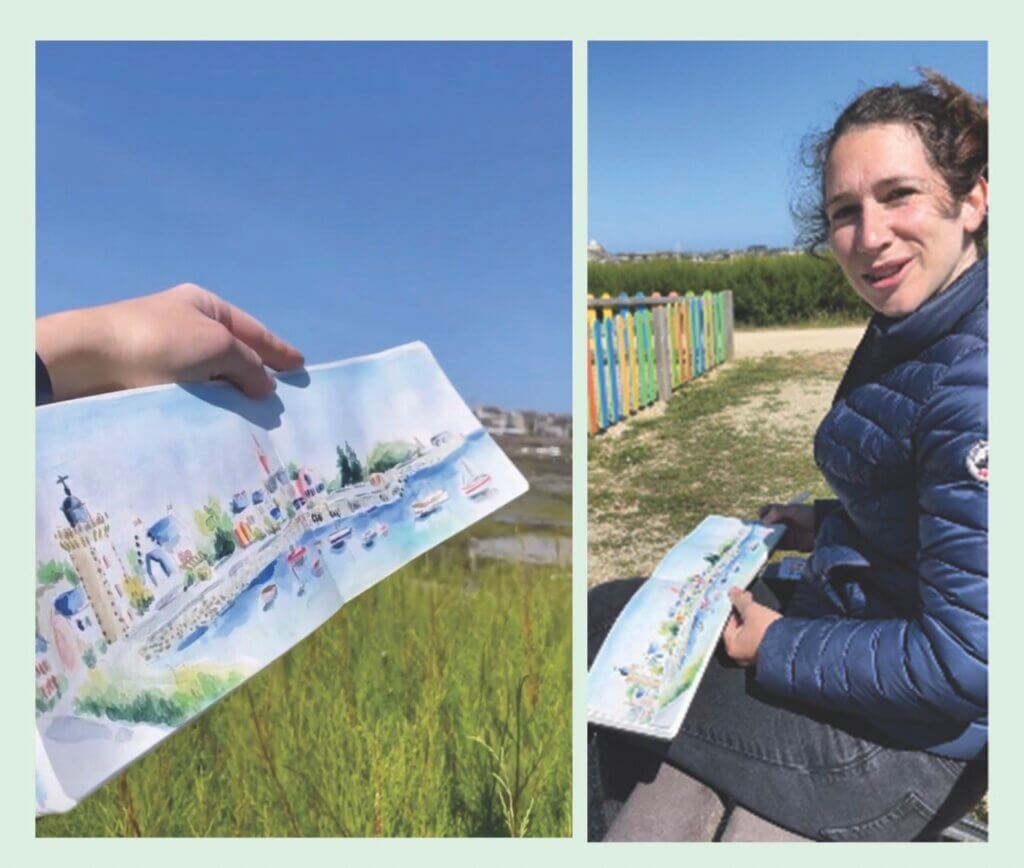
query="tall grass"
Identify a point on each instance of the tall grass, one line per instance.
(397, 718)
(767, 290)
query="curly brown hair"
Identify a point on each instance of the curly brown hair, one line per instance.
(951, 123)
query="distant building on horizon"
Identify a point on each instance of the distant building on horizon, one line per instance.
(524, 423)
(596, 252)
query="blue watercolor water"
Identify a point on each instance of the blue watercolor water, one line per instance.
(244, 626)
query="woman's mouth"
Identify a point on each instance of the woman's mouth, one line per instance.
(888, 274)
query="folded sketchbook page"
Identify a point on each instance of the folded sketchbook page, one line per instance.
(651, 663)
(186, 536)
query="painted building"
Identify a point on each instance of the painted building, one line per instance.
(87, 541)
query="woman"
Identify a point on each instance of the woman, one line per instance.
(862, 714)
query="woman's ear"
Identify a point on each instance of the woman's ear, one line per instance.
(974, 207)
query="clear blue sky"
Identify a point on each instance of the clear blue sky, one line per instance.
(695, 144)
(353, 196)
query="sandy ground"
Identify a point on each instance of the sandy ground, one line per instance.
(792, 408)
(765, 341)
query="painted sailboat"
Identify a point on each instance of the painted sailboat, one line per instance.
(474, 484)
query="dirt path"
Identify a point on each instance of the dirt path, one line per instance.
(765, 341)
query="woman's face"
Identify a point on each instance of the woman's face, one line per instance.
(893, 226)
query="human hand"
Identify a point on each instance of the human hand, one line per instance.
(799, 521)
(184, 334)
(747, 624)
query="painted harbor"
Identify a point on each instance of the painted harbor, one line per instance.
(648, 669)
(115, 679)
(250, 630)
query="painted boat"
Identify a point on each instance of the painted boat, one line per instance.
(429, 502)
(477, 485)
(338, 538)
(296, 556)
(381, 528)
(474, 484)
(268, 595)
(368, 537)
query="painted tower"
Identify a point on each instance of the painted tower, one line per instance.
(276, 483)
(87, 542)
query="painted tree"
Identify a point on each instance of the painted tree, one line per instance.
(344, 468)
(139, 594)
(389, 454)
(353, 463)
(223, 543)
(52, 572)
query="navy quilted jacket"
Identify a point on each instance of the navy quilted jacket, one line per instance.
(891, 619)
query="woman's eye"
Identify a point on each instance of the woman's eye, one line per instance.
(900, 193)
(844, 212)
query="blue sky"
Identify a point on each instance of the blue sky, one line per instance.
(353, 196)
(694, 145)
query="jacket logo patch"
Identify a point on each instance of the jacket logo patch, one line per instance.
(977, 461)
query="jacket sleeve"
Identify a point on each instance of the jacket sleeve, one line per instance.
(934, 664)
(44, 388)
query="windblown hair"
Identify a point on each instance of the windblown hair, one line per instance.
(951, 123)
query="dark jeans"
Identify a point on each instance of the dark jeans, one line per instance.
(822, 775)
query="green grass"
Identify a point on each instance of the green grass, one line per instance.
(656, 479)
(436, 703)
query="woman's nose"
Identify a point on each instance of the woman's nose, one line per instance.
(874, 231)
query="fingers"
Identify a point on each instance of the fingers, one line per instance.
(241, 364)
(741, 601)
(274, 351)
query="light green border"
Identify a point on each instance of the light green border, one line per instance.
(528, 19)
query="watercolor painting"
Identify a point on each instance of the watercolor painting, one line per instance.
(646, 673)
(187, 536)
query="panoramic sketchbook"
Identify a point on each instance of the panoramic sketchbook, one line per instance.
(186, 536)
(648, 669)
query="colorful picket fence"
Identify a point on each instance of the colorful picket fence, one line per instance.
(640, 348)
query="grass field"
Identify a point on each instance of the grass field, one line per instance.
(726, 443)
(436, 703)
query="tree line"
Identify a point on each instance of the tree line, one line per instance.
(767, 290)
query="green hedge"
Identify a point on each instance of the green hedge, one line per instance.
(767, 290)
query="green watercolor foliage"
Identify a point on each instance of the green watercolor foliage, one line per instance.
(383, 456)
(436, 703)
(52, 572)
(193, 691)
(767, 290)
